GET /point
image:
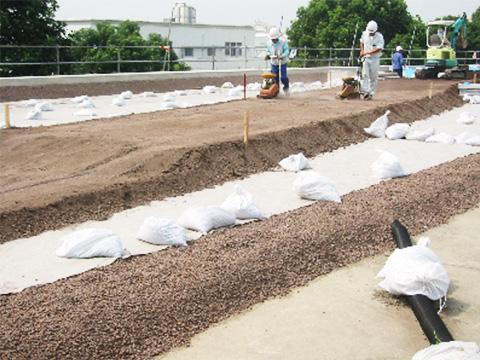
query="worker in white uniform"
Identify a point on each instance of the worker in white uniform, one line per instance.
(371, 46)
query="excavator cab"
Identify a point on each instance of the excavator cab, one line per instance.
(443, 38)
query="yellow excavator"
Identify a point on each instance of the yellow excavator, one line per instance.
(441, 56)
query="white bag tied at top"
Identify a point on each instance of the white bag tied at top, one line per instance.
(161, 231)
(89, 243)
(387, 166)
(241, 203)
(379, 126)
(312, 185)
(450, 350)
(397, 131)
(415, 270)
(206, 218)
(295, 163)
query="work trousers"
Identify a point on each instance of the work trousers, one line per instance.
(283, 76)
(370, 75)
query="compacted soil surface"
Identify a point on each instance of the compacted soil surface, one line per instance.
(143, 306)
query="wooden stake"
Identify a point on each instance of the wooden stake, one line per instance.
(7, 116)
(245, 128)
(475, 78)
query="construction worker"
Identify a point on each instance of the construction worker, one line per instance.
(277, 53)
(398, 61)
(371, 46)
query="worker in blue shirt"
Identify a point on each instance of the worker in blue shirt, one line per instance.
(277, 52)
(398, 61)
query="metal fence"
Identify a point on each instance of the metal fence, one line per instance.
(110, 59)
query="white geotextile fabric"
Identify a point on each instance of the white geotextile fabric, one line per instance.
(387, 166)
(312, 185)
(397, 131)
(415, 270)
(420, 135)
(89, 243)
(451, 350)
(160, 231)
(295, 163)
(242, 204)
(206, 218)
(379, 126)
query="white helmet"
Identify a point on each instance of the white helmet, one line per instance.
(372, 27)
(274, 33)
(399, 48)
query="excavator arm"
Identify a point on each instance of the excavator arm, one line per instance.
(458, 34)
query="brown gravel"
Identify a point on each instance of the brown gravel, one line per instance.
(145, 305)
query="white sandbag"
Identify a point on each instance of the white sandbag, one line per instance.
(378, 127)
(397, 131)
(209, 89)
(85, 112)
(30, 102)
(387, 166)
(180, 92)
(442, 138)
(148, 94)
(463, 137)
(450, 350)
(35, 114)
(206, 218)
(295, 163)
(241, 203)
(312, 185)
(475, 99)
(119, 101)
(86, 104)
(88, 243)
(420, 135)
(473, 141)
(169, 97)
(466, 118)
(44, 106)
(80, 99)
(169, 105)
(467, 97)
(126, 95)
(415, 270)
(254, 86)
(227, 85)
(160, 231)
(236, 91)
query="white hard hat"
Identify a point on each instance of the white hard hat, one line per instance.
(372, 26)
(399, 48)
(274, 33)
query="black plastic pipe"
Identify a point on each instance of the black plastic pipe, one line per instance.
(423, 308)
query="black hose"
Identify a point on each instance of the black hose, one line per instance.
(423, 308)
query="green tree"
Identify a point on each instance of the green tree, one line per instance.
(473, 32)
(101, 48)
(29, 22)
(332, 24)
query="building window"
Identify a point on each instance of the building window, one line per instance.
(233, 49)
(211, 51)
(188, 52)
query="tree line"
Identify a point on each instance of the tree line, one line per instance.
(321, 24)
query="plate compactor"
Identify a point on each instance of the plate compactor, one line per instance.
(352, 86)
(269, 88)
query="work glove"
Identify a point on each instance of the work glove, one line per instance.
(279, 57)
(267, 57)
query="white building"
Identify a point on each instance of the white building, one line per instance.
(200, 46)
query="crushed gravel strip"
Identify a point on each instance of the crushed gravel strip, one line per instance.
(145, 305)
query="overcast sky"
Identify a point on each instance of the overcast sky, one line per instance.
(232, 12)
